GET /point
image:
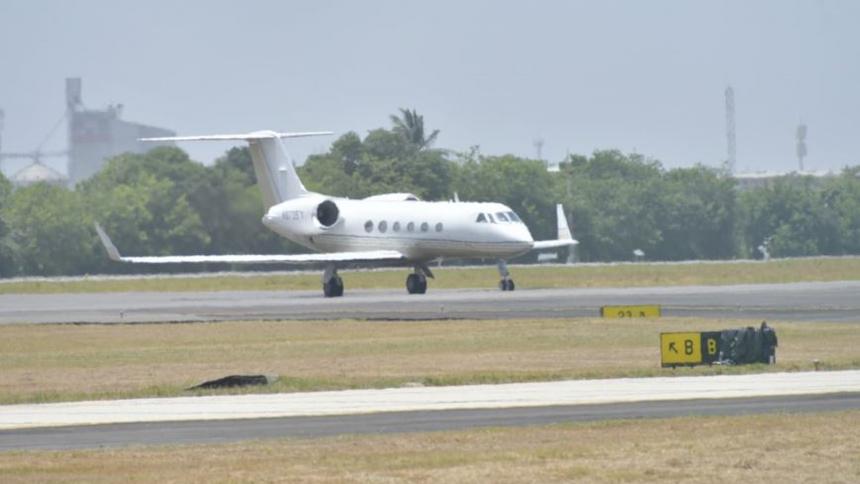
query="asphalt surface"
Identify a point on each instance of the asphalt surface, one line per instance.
(827, 301)
(221, 431)
(832, 301)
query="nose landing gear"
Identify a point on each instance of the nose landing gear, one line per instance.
(506, 284)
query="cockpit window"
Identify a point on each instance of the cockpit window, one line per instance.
(481, 218)
(514, 217)
(501, 217)
(491, 219)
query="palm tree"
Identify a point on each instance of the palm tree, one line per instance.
(410, 125)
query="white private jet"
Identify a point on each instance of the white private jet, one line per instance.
(395, 229)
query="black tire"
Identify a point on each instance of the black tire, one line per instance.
(511, 285)
(411, 283)
(416, 284)
(338, 286)
(334, 287)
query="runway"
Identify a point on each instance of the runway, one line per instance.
(823, 301)
(223, 431)
(234, 417)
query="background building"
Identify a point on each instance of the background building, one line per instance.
(96, 135)
(37, 172)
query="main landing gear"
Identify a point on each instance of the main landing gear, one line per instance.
(506, 284)
(416, 283)
(332, 283)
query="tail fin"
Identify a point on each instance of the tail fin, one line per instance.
(275, 173)
(563, 231)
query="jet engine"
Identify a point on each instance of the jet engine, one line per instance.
(327, 213)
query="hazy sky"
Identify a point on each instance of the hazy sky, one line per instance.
(635, 75)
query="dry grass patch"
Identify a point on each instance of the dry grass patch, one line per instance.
(767, 448)
(70, 362)
(622, 275)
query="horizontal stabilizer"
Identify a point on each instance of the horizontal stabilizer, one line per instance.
(553, 244)
(256, 135)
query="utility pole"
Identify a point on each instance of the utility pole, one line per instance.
(538, 143)
(2, 116)
(730, 130)
(801, 145)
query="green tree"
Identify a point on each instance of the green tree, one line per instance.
(52, 229)
(154, 204)
(8, 249)
(792, 216)
(349, 149)
(383, 162)
(410, 125)
(616, 201)
(698, 216)
(841, 196)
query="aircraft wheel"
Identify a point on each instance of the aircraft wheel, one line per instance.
(416, 284)
(507, 285)
(334, 287)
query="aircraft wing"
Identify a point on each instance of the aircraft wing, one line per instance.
(553, 244)
(362, 256)
(565, 238)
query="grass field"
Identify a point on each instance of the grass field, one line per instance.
(621, 275)
(768, 448)
(70, 362)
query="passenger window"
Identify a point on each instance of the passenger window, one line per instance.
(490, 217)
(501, 216)
(514, 217)
(425, 227)
(383, 226)
(410, 226)
(368, 226)
(396, 227)
(481, 218)
(439, 227)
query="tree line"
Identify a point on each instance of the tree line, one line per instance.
(162, 202)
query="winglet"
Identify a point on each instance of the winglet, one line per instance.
(561, 224)
(111, 249)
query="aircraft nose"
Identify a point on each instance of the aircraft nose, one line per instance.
(522, 237)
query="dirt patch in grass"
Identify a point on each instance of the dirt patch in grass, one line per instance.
(69, 362)
(621, 275)
(765, 448)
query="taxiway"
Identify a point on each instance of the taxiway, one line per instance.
(822, 301)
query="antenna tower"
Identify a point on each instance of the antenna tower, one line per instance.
(801, 145)
(538, 143)
(2, 115)
(730, 130)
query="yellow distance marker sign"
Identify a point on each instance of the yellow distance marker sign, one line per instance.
(640, 311)
(680, 349)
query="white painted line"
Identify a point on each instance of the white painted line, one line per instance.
(574, 392)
